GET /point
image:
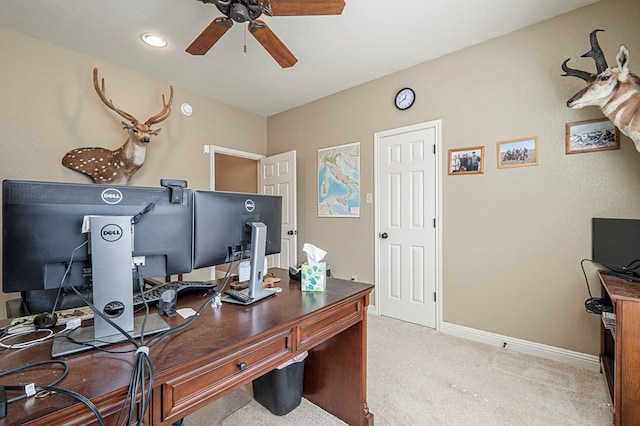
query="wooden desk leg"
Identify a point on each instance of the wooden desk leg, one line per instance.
(335, 376)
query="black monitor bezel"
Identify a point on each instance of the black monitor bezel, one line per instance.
(216, 211)
(158, 230)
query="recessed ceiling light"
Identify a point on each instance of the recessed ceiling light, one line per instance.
(154, 40)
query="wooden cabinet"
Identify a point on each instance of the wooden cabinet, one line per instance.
(214, 375)
(620, 349)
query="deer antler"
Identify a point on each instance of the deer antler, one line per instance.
(109, 102)
(166, 107)
(595, 53)
(166, 110)
(570, 72)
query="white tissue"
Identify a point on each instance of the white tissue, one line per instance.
(314, 254)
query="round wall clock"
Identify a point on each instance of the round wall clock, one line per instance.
(405, 98)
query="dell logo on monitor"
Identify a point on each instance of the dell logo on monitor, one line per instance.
(249, 205)
(111, 196)
(111, 233)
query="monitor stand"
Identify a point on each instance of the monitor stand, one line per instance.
(257, 265)
(265, 293)
(84, 337)
(111, 244)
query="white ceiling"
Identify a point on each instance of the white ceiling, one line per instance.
(371, 38)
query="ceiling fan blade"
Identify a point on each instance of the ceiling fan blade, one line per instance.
(209, 36)
(272, 44)
(306, 7)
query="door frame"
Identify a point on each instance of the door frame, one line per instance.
(377, 136)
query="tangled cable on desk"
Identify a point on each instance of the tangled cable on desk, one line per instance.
(35, 390)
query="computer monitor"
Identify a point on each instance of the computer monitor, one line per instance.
(616, 245)
(42, 225)
(232, 226)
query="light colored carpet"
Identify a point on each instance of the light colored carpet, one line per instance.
(418, 376)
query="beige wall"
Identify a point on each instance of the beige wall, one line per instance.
(513, 239)
(48, 106)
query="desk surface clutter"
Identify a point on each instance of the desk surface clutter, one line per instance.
(225, 348)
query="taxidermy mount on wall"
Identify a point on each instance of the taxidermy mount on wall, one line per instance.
(615, 90)
(116, 167)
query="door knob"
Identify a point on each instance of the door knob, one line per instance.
(384, 236)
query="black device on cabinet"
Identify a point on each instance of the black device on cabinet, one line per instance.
(616, 245)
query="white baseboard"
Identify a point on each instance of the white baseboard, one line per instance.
(576, 359)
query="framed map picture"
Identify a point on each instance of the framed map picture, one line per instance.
(339, 181)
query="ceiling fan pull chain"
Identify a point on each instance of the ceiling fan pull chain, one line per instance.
(245, 39)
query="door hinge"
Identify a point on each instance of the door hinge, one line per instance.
(434, 296)
(434, 148)
(434, 222)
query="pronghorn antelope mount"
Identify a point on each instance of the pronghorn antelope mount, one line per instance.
(615, 90)
(116, 167)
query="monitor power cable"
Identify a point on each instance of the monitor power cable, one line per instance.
(65, 275)
(138, 217)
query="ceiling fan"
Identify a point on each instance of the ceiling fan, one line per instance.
(250, 10)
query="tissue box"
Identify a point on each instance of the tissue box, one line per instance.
(313, 278)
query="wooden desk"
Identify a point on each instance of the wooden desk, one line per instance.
(620, 349)
(196, 366)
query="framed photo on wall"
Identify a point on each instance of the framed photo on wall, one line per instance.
(518, 152)
(591, 135)
(466, 161)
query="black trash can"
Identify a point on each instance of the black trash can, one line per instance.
(280, 390)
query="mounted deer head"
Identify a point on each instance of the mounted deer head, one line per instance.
(116, 167)
(615, 90)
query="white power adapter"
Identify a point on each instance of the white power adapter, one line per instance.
(73, 324)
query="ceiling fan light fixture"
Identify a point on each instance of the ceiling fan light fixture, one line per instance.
(154, 40)
(239, 12)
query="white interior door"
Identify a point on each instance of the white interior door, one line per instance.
(278, 177)
(406, 223)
